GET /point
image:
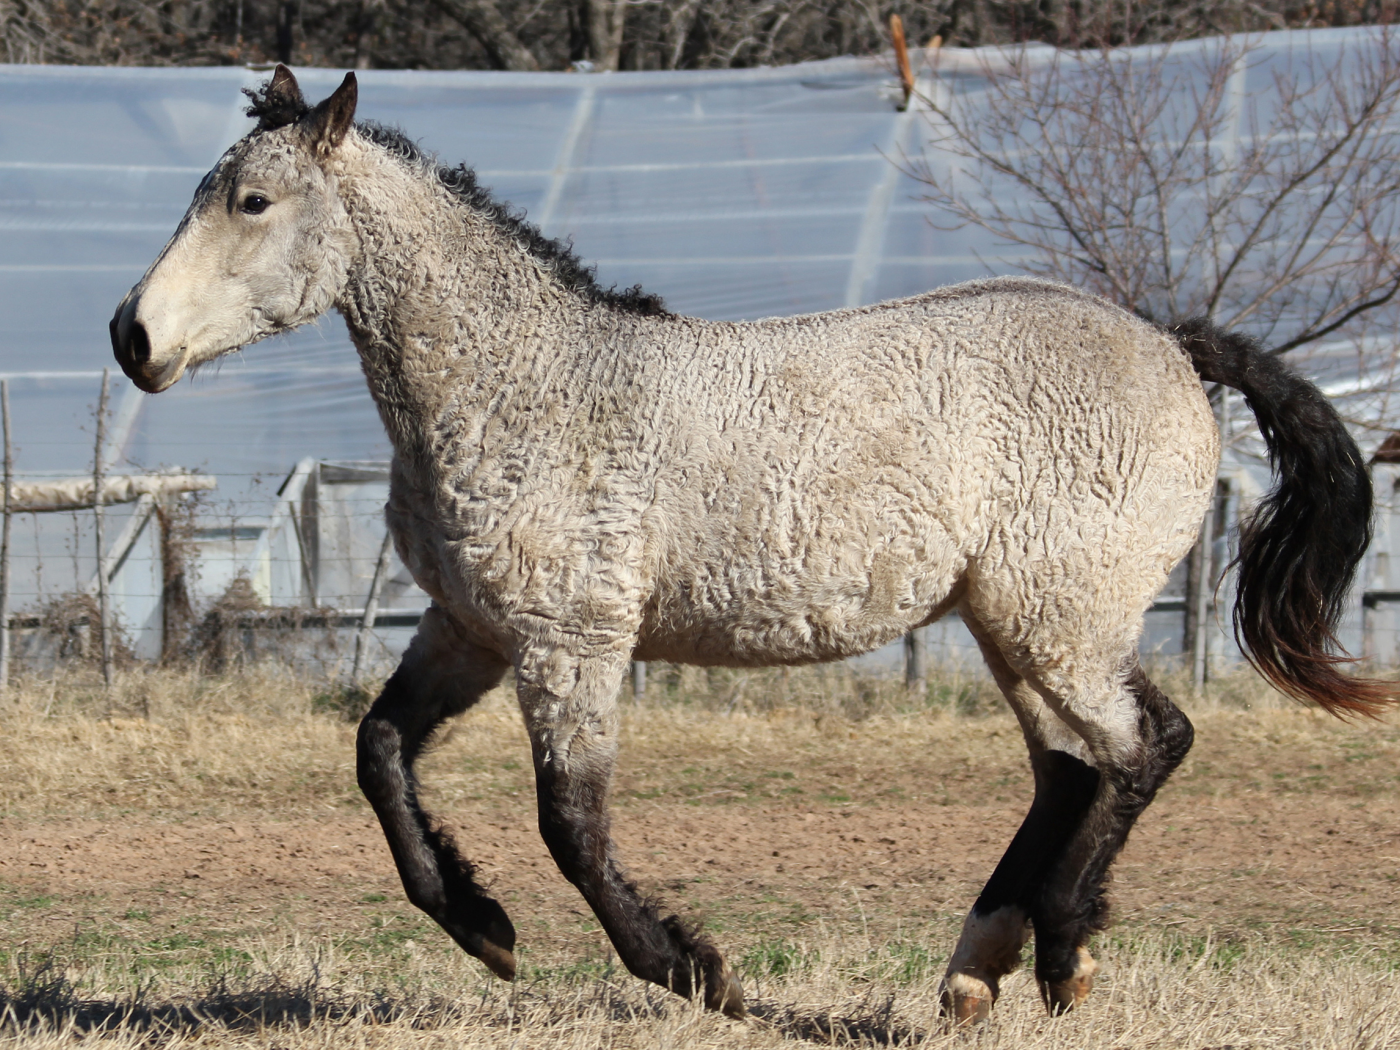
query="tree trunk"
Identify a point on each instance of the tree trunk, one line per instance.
(605, 24)
(483, 20)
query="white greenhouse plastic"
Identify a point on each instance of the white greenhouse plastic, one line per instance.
(733, 194)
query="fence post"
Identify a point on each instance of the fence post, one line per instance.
(98, 500)
(639, 681)
(381, 569)
(1201, 599)
(915, 673)
(5, 540)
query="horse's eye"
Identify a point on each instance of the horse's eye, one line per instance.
(254, 204)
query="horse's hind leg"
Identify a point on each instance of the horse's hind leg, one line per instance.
(997, 927)
(1138, 738)
(442, 674)
(1089, 793)
(570, 709)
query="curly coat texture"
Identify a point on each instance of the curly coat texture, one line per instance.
(586, 474)
(581, 478)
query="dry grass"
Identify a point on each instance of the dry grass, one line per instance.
(1156, 992)
(165, 743)
(173, 744)
(766, 747)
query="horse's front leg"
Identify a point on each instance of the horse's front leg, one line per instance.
(570, 708)
(441, 675)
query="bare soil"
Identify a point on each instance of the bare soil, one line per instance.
(762, 828)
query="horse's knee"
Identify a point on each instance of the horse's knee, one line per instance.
(576, 832)
(441, 675)
(377, 756)
(567, 843)
(573, 770)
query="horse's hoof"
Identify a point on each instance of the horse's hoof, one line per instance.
(723, 992)
(500, 961)
(966, 1000)
(1060, 997)
(488, 935)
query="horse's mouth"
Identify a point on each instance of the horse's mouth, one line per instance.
(154, 381)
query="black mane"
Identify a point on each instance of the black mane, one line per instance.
(277, 110)
(557, 255)
(274, 109)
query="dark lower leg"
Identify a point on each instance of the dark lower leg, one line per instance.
(1065, 787)
(436, 877)
(997, 928)
(1072, 903)
(665, 951)
(995, 931)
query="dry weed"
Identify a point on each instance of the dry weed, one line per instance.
(266, 746)
(1155, 992)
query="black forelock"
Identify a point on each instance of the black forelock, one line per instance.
(274, 109)
(558, 256)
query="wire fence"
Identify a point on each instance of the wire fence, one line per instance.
(304, 574)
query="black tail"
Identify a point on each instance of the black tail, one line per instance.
(1300, 549)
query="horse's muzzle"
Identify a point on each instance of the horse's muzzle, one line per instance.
(132, 348)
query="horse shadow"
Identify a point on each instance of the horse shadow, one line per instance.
(46, 999)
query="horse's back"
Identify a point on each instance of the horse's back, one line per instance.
(1020, 438)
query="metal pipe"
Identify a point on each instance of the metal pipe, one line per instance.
(381, 569)
(103, 598)
(5, 538)
(1204, 549)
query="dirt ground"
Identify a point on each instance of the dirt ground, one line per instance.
(1279, 823)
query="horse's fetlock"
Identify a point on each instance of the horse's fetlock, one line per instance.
(429, 897)
(967, 999)
(1068, 985)
(1056, 959)
(684, 935)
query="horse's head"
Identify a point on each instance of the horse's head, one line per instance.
(263, 248)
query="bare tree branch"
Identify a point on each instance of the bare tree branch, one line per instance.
(1154, 179)
(483, 20)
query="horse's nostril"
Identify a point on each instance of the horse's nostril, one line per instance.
(138, 344)
(130, 344)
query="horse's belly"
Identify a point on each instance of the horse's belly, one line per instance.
(784, 611)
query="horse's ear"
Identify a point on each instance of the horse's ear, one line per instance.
(331, 119)
(278, 102)
(284, 86)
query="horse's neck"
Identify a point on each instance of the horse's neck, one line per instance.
(445, 310)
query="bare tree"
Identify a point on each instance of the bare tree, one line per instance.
(606, 21)
(483, 19)
(1160, 179)
(621, 34)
